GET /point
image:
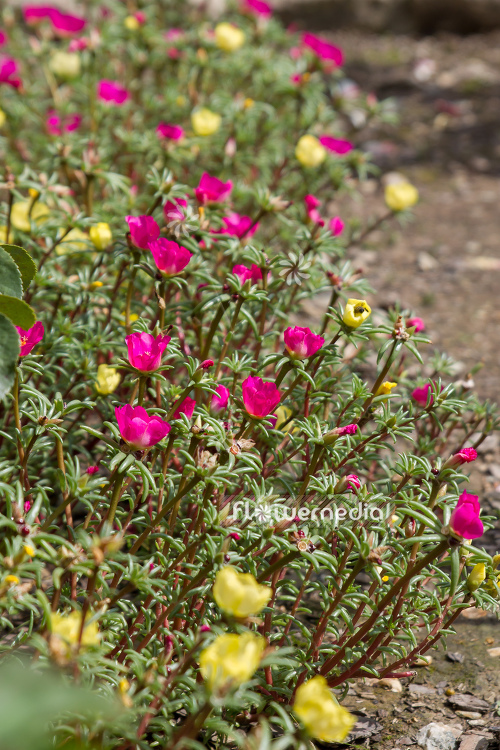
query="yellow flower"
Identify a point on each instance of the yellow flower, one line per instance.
(11, 580)
(3, 117)
(108, 380)
(67, 627)
(21, 216)
(400, 196)
(95, 285)
(309, 151)
(101, 235)
(385, 388)
(132, 318)
(228, 37)
(239, 594)
(205, 122)
(131, 23)
(476, 577)
(3, 234)
(248, 103)
(75, 241)
(320, 713)
(231, 659)
(356, 312)
(29, 550)
(65, 65)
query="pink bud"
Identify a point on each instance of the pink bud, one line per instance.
(170, 258)
(145, 350)
(416, 323)
(143, 229)
(205, 629)
(336, 226)
(92, 470)
(322, 48)
(465, 456)
(186, 407)
(138, 428)
(207, 364)
(27, 505)
(260, 397)
(170, 132)
(212, 190)
(112, 92)
(151, 566)
(353, 482)
(465, 519)
(348, 429)
(336, 145)
(421, 394)
(257, 7)
(312, 204)
(8, 70)
(234, 536)
(220, 399)
(302, 342)
(30, 338)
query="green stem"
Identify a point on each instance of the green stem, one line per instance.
(229, 336)
(115, 499)
(213, 328)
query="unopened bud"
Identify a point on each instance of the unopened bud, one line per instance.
(476, 577)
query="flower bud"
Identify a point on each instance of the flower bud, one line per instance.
(309, 151)
(476, 577)
(65, 65)
(400, 195)
(101, 235)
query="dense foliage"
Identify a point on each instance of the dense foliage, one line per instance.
(211, 515)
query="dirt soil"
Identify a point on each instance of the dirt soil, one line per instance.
(445, 266)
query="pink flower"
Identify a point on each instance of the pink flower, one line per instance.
(145, 350)
(336, 145)
(207, 364)
(302, 342)
(296, 79)
(112, 92)
(353, 482)
(143, 229)
(27, 506)
(172, 210)
(3, 38)
(212, 190)
(34, 13)
(465, 456)
(416, 323)
(465, 519)
(138, 429)
(258, 8)
(205, 629)
(169, 132)
(312, 204)
(220, 399)
(421, 394)
(78, 45)
(243, 273)
(322, 48)
(92, 470)
(140, 17)
(30, 338)
(348, 429)
(65, 23)
(56, 125)
(260, 397)
(170, 258)
(239, 226)
(234, 535)
(173, 34)
(187, 408)
(8, 70)
(336, 226)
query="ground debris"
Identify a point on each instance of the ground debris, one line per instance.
(436, 736)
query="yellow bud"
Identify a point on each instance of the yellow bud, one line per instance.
(310, 152)
(21, 216)
(205, 122)
(131, 23)
(385, 388)
(29, 549)
(239, 594)
(231, 659)
(11, 580)
(400, 196)
(65, 65)
(33, 193)
(385, 578)
(108, 380)
(496, 562)
(3, 118)
(132, 317)
(123, 685)
(356, 312)
(101, 235)
(476, 577)
(228, 37)
(248, 103)
(320, 713)
(95, 285)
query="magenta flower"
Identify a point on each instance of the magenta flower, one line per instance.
(112, 92)
(258, 8)
(260, 397)
(234, 535)
(465, 456)
(143, 229)
(92, 470)
(145, 350)
(348, 429)
(65, 23)
(336, 226)
(421, 394)
(8, 70)
(34, 13)
(207, 364)
(3, 38)
(56, 125)
(220, 399)
(140, 17)
(323, 49)
(170, 258)
(302, 342)
(353, 482)
(416, 323)
(336, 145)
(169, 132)
(239, 226)
(172, 209)
(243, 273)
(138, 429)
(30, 338)
(465, 519)
(312, 204)
(187, 408)
(212, 190)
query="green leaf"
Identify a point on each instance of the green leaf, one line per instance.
(9, 354)
(10, 278)
(18, 311)
(24, 262)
